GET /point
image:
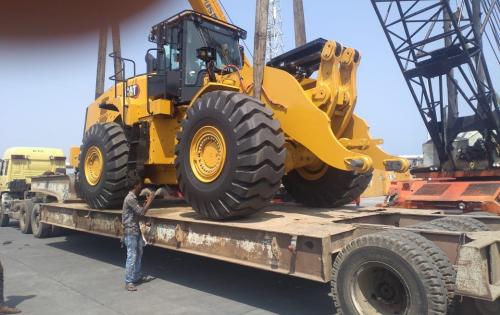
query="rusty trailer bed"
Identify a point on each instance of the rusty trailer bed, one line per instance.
(291, 239)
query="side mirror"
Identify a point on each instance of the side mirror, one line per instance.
(151, 63)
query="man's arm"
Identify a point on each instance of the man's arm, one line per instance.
(149, 200)
(134, 204)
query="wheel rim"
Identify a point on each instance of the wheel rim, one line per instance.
(94, 165)
(207, 154)
(378, 288)
(314, 171)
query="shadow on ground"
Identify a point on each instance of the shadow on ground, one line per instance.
(264, 290)
(14, 300)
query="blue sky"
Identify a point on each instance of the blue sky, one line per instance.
(47, 84)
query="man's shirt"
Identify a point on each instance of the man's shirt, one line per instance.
(131, 213)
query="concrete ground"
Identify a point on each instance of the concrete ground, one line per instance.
(83, 274)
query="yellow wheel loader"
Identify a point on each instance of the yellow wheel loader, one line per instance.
(192, 121)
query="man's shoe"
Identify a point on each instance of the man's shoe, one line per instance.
(9, 310)
(144, 279)
(130, 287)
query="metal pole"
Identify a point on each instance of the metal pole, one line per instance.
(452, 112)
(477, 26)
(300, 25)
(115, 34)
(259, 56)
(101, 62)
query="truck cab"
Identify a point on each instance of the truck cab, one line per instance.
(18, 166)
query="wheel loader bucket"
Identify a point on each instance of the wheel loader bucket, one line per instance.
(318, 113)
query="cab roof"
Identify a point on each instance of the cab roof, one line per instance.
(35, 153)
(193, 15)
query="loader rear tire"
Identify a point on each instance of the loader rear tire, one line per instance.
(385, 273)
(230, 155)
(103, 168)
(334, 188)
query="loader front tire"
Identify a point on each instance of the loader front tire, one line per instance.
(102, 180)
(329, 188)
(230, 155)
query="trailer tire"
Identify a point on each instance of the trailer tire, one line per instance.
(4, 218)
(456, 223)
(25, 218)
(385, 273)
(103, 168)
(334, 188)
(440, 260)
(40, 230)
(230, 155)
(436, 225)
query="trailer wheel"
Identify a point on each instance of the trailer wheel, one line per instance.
(40, 230)
(325, 186)
(466, 224)
(4, 218)
(439, 259)
(456, 223)
(25, 218)
(384, 273)
(436, 225)
(230, 155)
(102, 180)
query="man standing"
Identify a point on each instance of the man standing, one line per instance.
(4, 309)
(132, 234)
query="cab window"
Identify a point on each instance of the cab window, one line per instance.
(5, 167)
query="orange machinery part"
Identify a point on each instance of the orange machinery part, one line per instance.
(446, 194)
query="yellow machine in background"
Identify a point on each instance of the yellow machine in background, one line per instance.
(191, 121)
(18, 166)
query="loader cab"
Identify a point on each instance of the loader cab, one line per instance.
(175, 69)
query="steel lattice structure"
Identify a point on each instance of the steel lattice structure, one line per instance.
(440, 52)
(274, 42)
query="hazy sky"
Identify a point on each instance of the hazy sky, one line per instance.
(46, 85)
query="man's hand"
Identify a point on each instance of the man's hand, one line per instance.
(149, 199)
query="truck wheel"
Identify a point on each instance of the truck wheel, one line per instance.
(4, 218)
(40, 230)
(384, 273)
(440, 260)
(456, 224)
(325, 186)
(102, 181)
(230, 155)
(25, 218)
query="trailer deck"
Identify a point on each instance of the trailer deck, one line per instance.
(291, 239)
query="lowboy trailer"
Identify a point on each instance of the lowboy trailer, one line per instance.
(378, 260)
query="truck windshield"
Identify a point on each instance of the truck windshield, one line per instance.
(206, 34)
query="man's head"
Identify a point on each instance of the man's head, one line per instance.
(136, 186)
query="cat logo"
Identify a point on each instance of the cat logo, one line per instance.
(133, 91)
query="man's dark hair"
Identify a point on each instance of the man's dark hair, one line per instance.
(134, 182)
